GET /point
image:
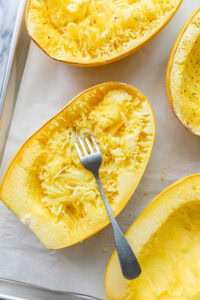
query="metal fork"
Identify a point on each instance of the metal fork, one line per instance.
(92, 161)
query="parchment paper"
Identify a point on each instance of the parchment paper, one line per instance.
(46, 87)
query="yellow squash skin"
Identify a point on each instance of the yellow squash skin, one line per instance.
(165, 238)
(52, 193)
(183, 74)
(96, 32)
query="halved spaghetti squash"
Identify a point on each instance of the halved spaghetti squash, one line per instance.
(47, 187)
(95, 32)
(165, 239)
(183, 74)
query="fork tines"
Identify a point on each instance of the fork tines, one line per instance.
(84, 150)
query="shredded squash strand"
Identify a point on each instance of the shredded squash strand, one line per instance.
(122, 127)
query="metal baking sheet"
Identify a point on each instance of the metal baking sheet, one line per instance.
(13, 74)
(45, 88)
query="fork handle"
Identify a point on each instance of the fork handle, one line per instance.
(128, 261)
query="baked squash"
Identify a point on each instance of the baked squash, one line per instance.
(96, 32)
(183, 74)
(166, 240)
(47, 187)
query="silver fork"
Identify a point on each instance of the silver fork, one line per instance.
(92, 161)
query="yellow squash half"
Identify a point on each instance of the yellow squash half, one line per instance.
(183, 74)
(96, 32)
(47, 187)
(166, 240)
